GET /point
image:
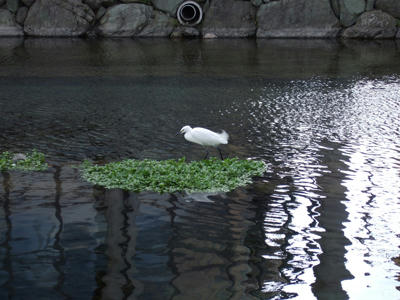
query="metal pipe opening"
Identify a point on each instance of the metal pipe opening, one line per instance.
(189, 13)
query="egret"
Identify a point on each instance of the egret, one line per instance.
(205, 137)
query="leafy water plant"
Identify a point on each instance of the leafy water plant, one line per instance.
(34, 161)
(167, 176)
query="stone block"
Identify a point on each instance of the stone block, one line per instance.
(159, 25)
(168, 6)
(227, 18)
(297, 19)
(58, 18)
(13, 5)
(350, 10)
(28, 2)
(21, 15)
(8, 25)
(374, 24)
(125, 20)
(392, 7)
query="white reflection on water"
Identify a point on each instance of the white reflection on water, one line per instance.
(342, 147)
(373, 189)
(372, 200)
(373, 204)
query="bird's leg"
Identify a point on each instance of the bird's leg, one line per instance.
(205, 157)
(220, 153)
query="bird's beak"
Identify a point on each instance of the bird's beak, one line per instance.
(178, 133)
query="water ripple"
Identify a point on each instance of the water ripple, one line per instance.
(323, 220)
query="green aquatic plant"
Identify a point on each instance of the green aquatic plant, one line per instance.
(168, 176)
(34, 161)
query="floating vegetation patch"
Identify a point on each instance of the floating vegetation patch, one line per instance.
(211, 175)
(34, 161)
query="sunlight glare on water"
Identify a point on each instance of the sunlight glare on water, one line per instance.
(311, 121)
(372, 197)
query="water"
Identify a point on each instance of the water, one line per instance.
(321, 224)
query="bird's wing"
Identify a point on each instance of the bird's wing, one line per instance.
(207, 137)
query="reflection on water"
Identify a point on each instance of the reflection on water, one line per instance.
(323, 222)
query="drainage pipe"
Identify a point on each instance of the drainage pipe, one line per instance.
(189, 13)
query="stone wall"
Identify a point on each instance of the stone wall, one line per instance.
(367, 19)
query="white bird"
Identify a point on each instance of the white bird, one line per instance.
(205, 137)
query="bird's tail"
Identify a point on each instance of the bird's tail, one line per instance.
(224, 137)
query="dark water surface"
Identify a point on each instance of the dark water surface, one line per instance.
(324, 223)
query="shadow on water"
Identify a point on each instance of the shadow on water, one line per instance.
(321, 224)
(7, 272)
(171, 250)
(276, 58)
(57, 245)
(331, 270)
